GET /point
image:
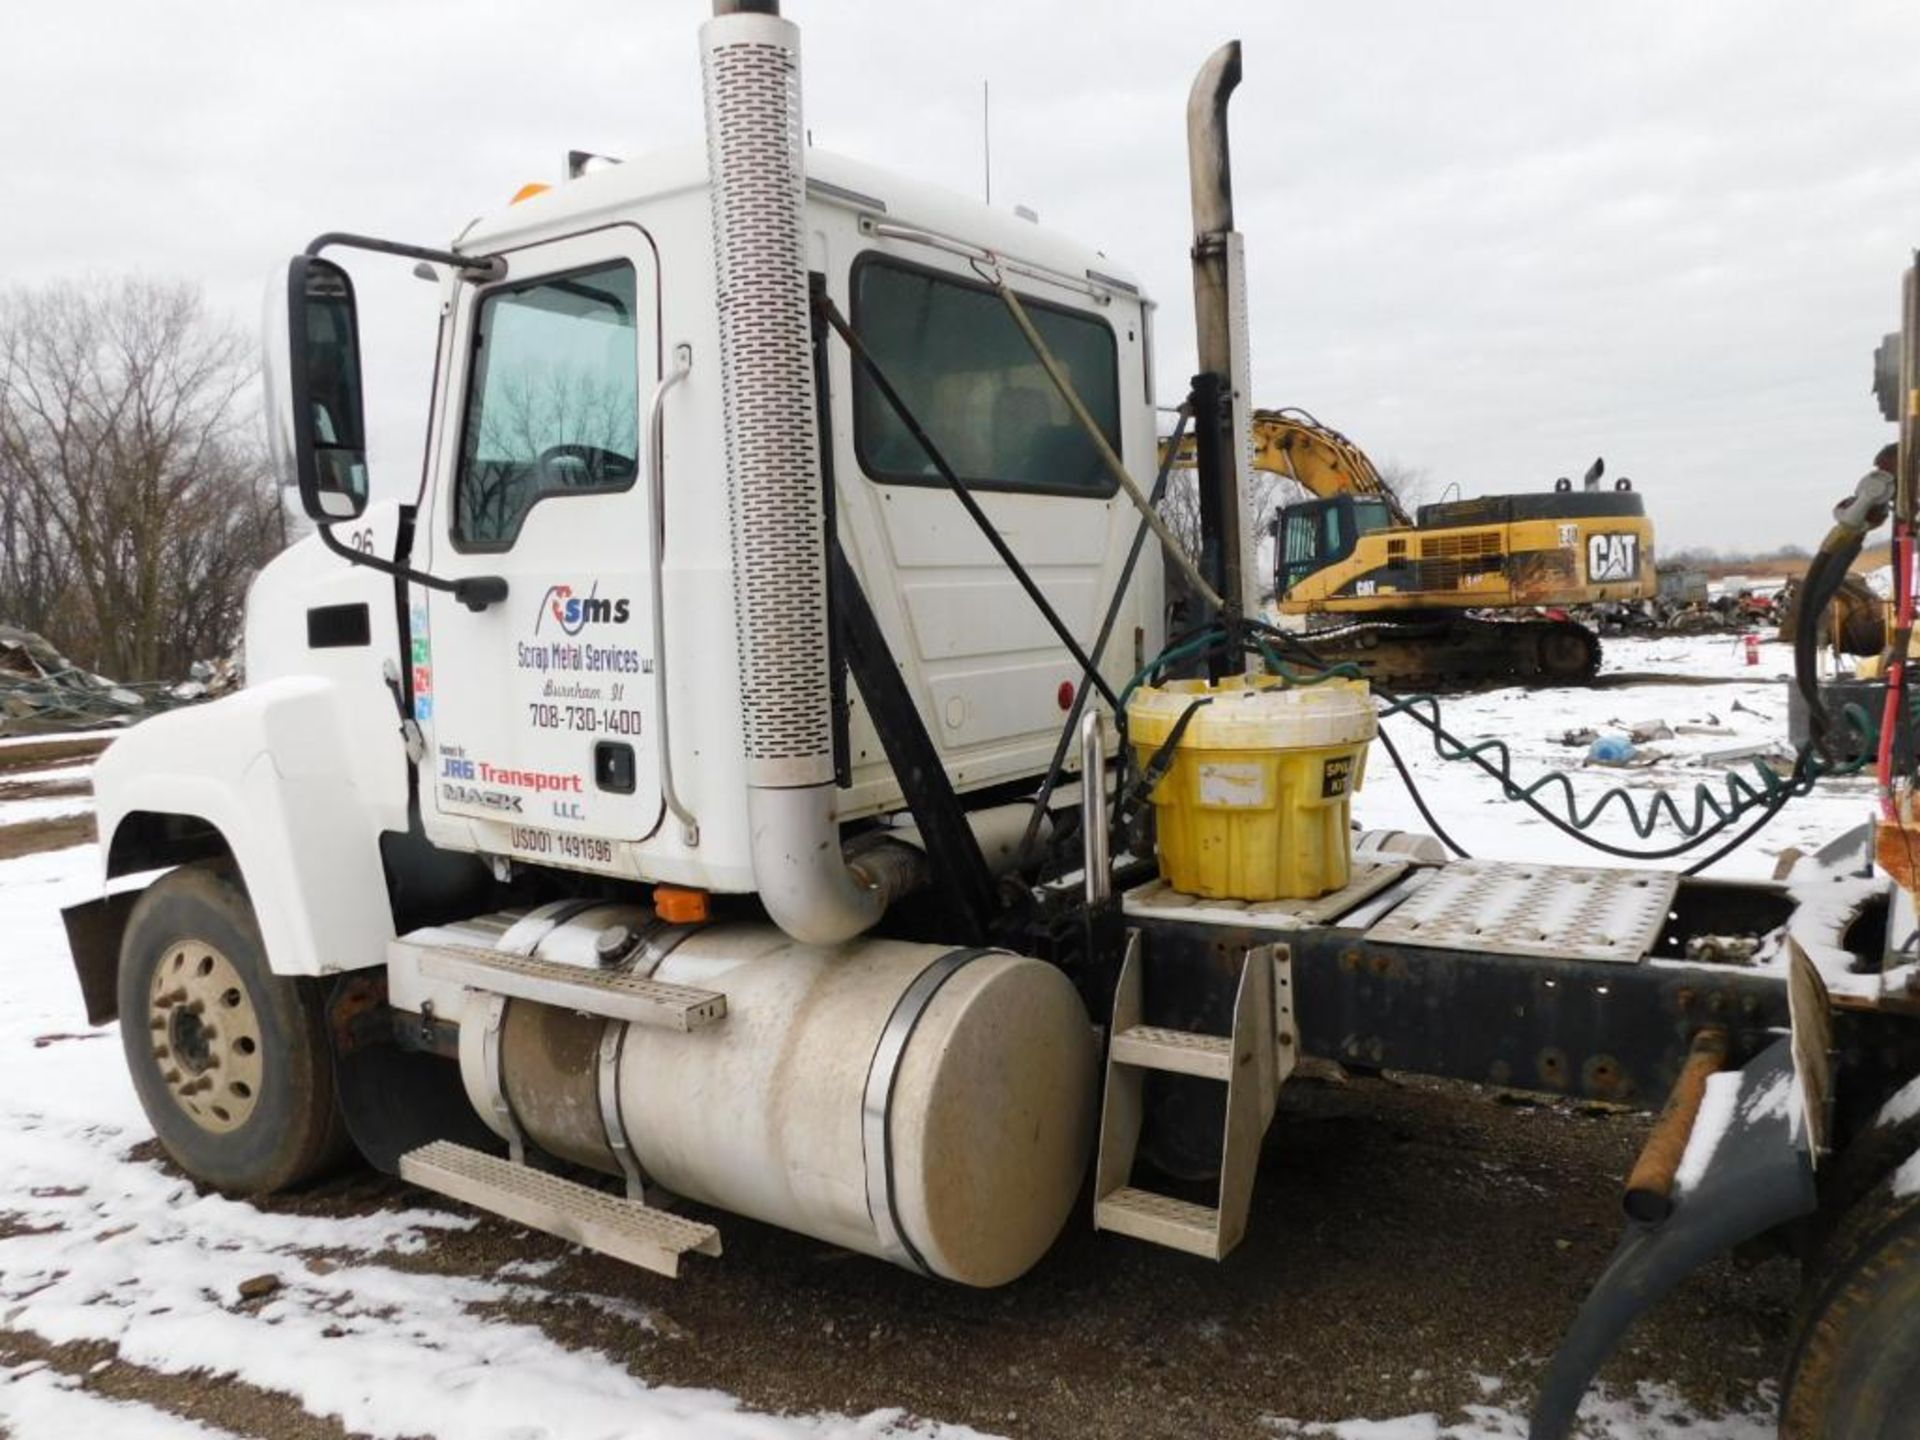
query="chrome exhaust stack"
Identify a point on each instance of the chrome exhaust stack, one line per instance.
(1222, 432)
(750, 69)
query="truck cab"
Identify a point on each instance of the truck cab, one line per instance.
(590, 720)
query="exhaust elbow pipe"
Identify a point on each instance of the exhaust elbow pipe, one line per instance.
(1222, 432)
(1209, 166)
(776, 504)
(801, 871)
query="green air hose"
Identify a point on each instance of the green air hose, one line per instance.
(1714, 809)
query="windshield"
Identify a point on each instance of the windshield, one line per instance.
(1371, 515)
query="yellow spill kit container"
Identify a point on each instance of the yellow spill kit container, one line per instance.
(1254, 806)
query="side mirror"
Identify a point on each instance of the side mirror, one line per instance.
(326, 414)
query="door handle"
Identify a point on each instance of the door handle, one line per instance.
(656, 546)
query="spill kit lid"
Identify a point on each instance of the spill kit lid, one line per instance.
(1254, 713)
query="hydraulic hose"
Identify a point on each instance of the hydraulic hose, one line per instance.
(1853, 517)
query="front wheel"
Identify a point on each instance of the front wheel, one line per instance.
(229, 1060)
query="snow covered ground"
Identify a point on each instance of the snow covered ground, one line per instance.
(99, 1244)
(1742, 706)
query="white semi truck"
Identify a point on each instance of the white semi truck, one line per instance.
(703, 787)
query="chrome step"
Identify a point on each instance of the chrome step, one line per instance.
(625, 1229)
(1161, 1220)
(1184, 1052)
(615, 994)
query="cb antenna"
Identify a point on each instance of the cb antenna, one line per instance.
(986, 136)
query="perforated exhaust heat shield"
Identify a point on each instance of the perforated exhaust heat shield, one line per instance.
(776, 510)
(751, 71)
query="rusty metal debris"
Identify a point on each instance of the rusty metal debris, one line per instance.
(43, 692)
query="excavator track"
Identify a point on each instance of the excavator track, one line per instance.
(1459, 652)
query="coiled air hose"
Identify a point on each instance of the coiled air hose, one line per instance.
(1715, 808)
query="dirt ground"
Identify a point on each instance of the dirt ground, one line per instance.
(1407, 1237)
(59, 765)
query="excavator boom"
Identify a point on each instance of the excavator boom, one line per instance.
(1325, 463)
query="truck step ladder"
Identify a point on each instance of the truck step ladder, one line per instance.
(625, 1229)
(1252, 1063)
(615, 994)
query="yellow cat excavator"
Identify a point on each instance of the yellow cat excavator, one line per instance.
(1457, 592)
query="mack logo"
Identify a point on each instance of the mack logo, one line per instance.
(573, 613)
(484, 799)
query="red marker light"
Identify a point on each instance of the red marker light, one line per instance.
(1065, 697)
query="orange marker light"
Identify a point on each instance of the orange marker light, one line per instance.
(528, 191)
(679, 907)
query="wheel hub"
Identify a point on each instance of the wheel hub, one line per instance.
(206, 1035)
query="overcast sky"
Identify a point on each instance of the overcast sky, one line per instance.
(1486, 240)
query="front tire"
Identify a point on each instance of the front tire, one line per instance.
(230, 1060)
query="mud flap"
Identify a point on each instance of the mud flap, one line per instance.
(392, 1099)
(1760, 1175)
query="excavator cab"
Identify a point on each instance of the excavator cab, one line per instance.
(1314, 534)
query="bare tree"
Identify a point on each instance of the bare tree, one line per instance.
(134, 496)
(1412, 485)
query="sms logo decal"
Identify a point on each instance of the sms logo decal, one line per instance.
(573, 613)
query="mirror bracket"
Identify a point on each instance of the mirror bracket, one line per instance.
(476, 592)
(478, 268)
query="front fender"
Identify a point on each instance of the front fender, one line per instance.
(269, 769)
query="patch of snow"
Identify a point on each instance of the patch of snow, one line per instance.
(1709, 1128)
(58, 770)
(527, 1269)
(1651, 1412)
(1826, 902)
(1906, 1180)
(50, 807)
(1904, 1105)
(1707, 719)
(1769, 1103)
(36, 1400)
(109, 1249)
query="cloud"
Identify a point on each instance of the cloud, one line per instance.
(1491, 241)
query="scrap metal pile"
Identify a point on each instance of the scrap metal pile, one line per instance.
(43, 692)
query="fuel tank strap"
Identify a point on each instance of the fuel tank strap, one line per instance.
(523, 937)
(876, 1111)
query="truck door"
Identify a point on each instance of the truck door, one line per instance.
(539, 710)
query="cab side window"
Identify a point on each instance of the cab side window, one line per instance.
(954, 353)
(552, 403)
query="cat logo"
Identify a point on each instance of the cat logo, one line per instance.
(1612, 557)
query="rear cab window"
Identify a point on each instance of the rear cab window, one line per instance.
(952, 350)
